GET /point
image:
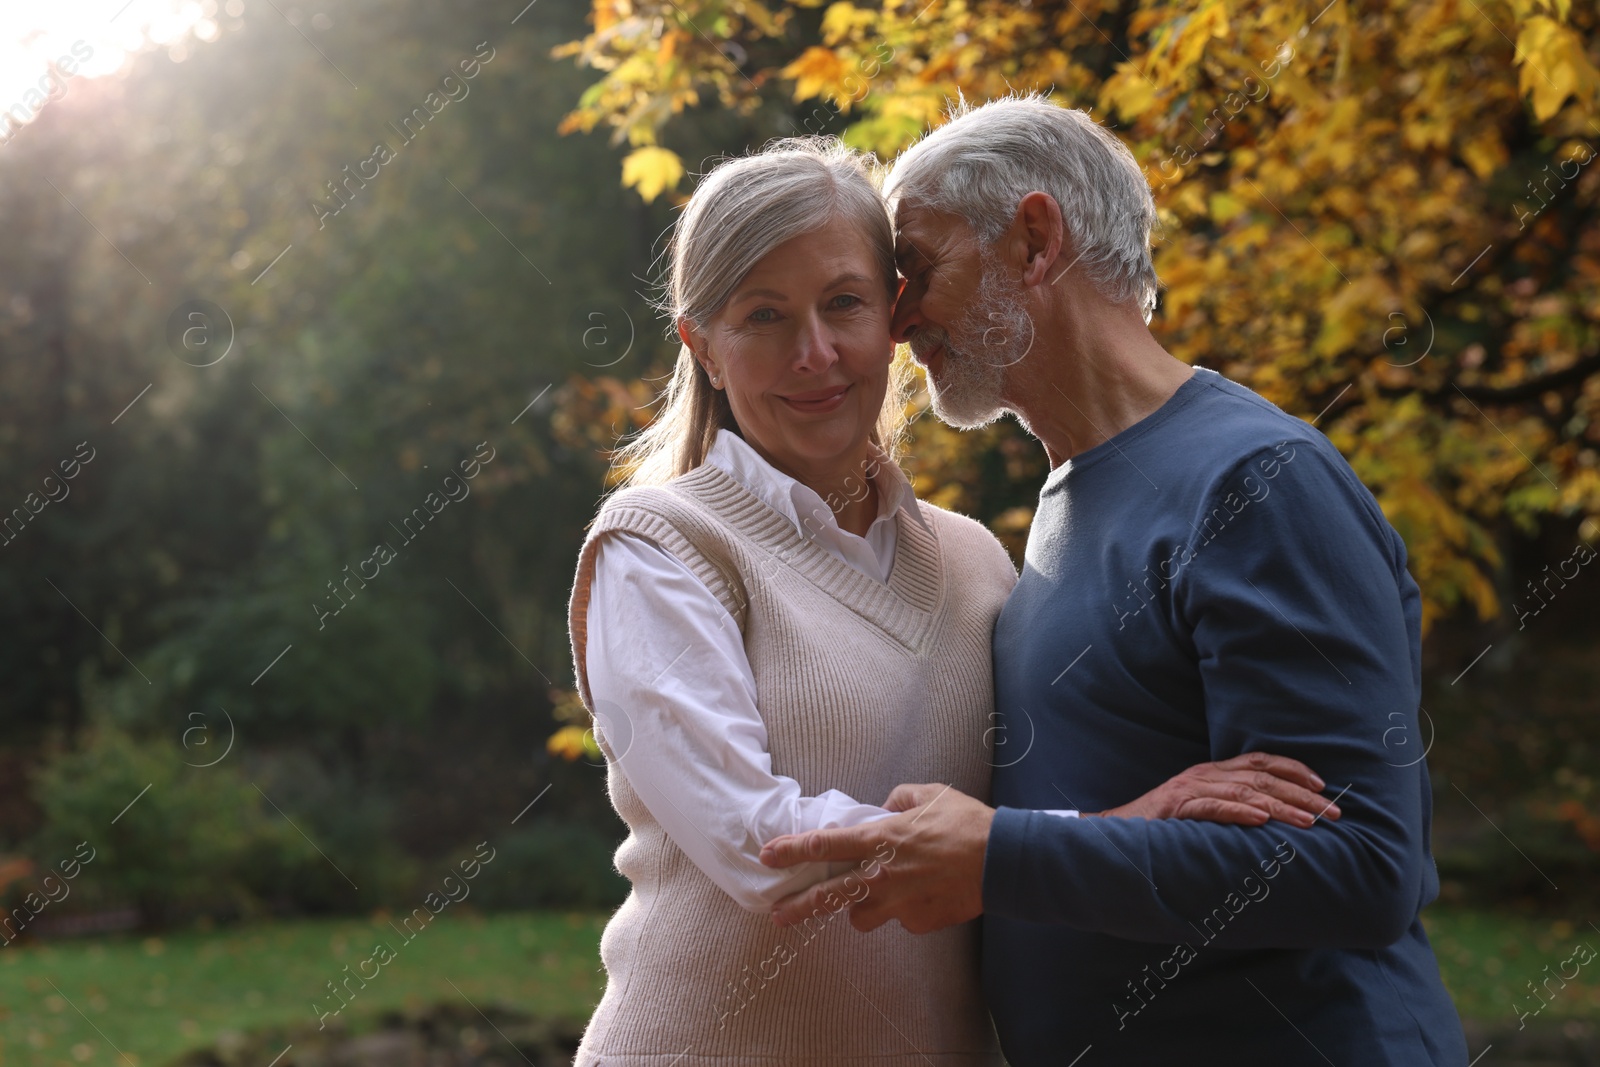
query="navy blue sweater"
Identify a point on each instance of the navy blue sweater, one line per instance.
(1211, 581)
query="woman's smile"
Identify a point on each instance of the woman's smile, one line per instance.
(818, 401)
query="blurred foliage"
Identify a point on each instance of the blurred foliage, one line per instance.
(203, 568)
(202, 843)
(553, 865)
(1516, 764)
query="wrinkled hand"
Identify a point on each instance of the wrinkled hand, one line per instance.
(923, 867)
(1247, 790)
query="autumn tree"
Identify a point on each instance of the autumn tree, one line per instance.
(1378, 214)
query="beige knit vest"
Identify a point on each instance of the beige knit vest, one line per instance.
(862, 686)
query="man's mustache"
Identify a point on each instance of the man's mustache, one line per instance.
(929, 338)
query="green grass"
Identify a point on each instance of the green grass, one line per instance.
(1487, 959)
(157, 997)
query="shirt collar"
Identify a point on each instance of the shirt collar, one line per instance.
(790, 497)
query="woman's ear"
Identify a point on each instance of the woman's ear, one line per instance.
(695, 343)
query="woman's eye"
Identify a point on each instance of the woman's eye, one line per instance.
(844, 300)
(763, 315)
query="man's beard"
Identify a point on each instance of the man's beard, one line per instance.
(993, 335)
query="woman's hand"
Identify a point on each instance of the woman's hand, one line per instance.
(1247, 790)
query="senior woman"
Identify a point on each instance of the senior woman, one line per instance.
(772, 633)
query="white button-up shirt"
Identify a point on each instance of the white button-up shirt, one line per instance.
(663, 648)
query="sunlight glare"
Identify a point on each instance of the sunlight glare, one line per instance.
(87, 39)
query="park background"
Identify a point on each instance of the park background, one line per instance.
(239, 345)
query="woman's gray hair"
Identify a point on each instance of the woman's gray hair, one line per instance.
(742, 210)
(981, 163)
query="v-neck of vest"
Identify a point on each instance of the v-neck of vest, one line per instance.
(904, 607)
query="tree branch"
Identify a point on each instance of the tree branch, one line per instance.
(1525, 391)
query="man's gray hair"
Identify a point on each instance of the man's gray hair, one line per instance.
(981, 163)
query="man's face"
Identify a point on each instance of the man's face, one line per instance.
(962, 312)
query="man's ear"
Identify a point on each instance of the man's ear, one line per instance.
(1042, 233)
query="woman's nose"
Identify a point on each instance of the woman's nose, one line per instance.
(815, 350)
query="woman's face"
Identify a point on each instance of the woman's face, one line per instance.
(802, 349)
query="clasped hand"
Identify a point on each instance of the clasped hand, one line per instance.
(924, 865)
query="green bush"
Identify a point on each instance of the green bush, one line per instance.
(196, 841)
(551, 866)
(352, 821)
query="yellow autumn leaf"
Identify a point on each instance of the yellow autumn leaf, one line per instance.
(1553, 66)
(817, 72)
(842, 19)
(1128, 91)
(652, 170)
(1225, 206)
(568, 743)
(1190, 201)
(607, 15)
(1485, 153)
(1355, 312)
(1523, 8)
(1197, 29)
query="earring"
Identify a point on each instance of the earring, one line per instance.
(716, 379)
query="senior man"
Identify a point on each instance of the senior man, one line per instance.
(1205, 577)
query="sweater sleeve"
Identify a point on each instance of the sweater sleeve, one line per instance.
(667, 668)
(1301, 617)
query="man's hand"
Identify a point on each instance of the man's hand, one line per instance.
(923, 867)
(1247, 790)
